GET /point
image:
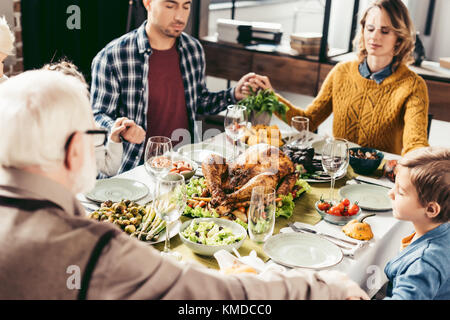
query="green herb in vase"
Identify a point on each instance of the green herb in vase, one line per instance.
(264, 101)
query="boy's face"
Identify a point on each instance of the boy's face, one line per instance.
(405, 201)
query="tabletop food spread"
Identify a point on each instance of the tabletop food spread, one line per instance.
(331, 234)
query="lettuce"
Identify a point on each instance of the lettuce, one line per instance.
(287, 207)
(242, 223)
(195, 186)
(304, 187)
(200, 212)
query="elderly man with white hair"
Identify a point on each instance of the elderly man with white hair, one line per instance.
(51, 250)
(6, 45)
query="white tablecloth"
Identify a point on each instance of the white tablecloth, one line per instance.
(367, 266)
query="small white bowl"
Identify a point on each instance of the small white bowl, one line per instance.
(209, 250)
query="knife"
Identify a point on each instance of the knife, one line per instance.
(377, 182)
(295, 228)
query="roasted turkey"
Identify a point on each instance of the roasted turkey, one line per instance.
(231, 184)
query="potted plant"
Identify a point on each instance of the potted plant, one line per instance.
(261, 105)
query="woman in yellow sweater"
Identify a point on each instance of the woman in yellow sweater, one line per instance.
(377, 101)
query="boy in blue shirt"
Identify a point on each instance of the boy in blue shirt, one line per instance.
(422, 195)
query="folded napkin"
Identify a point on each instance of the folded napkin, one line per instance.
(226, 260)
(349, 250)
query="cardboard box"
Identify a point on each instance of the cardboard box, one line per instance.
(445, 62)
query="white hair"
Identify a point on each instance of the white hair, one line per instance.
(39, 111)
(6, 37)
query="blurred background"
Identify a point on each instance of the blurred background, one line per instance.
(47, 30)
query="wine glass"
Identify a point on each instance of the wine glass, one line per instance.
(170, 204)
(261, 214)
(235, 124)
(158, 156)
(301, 126)
(158, 159)
(335, 157)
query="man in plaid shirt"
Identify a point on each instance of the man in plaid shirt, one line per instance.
(121, 73)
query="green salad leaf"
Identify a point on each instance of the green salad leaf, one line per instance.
(287, 207)
(210, 233)
(304, 187)
(195, 186)
(264, 101)
(200, 212)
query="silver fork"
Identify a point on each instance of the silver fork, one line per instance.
(297, 229)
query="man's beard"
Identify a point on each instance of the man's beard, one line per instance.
(84, 180)
(171, 34)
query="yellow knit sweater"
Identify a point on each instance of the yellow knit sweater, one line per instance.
(391, 116)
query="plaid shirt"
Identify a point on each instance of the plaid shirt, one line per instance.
(120, 86)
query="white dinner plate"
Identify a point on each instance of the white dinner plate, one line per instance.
(369, 197)
(200, 151)
(318, 146)
(116, 190)
(174, 229)
(302, 250)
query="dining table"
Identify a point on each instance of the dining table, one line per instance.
(365, 265)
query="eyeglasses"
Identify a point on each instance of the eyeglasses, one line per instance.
(99, 137)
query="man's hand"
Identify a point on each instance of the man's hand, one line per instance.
(336, 279)
(240, 87)
(129, 131)
(256, 83)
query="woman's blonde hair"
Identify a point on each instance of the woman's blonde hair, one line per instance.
(403, 28)
(6, 37)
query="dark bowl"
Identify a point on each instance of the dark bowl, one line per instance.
(365, 166)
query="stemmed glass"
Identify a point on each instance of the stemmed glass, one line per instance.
(170, 204)
(335, 157)
(235, 124)
(301, 127)
(158, 158)
(261, 214)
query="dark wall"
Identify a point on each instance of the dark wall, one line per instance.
(46, 35)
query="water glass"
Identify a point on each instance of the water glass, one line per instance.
(235, 124)
(335, 158)
(301, 126)
(261, 214)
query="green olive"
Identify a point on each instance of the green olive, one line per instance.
(111, 219)
(134, 221)
(126, 222)
(134, 211)
(130, 229)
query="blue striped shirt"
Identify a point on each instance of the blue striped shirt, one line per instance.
(120, 86)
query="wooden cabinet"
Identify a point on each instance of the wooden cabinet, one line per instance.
(439, 94)
(325, 68)
(287, 74)
(229, 63)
